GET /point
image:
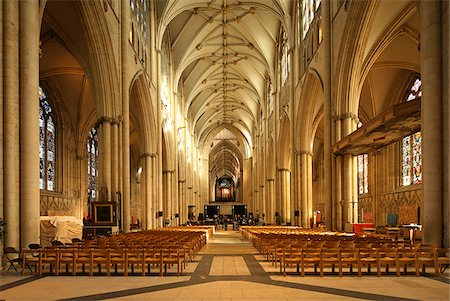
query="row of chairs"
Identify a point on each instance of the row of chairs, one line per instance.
(146, 249)
(303, 248)
(397, 258)
(120, 261)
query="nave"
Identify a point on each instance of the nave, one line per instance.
(228, 267)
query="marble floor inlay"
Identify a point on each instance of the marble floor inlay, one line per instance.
(229, 265)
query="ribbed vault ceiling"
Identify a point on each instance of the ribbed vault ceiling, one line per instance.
(224, 52)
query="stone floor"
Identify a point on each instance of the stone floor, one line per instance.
(227, 268)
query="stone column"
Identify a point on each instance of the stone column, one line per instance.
(114, 158)
(349, 177)
(29, 116)
(168, 193)
(2, 170)
(270, 218)
(148, 172)
(297, 200)
(262, 202)
(432, 106)
(338, 199)
(284, 175)
(11, 122)
(446, 119)
(306, 210)
(328, 180)
(106, 159)
(182, 207)
(125, 32)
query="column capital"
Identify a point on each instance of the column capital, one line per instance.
(302, 152)
(169, 171)
(345, 115)
(284, 169)
(104, 119)
(270, 180)
(153, 155)
(181, 181)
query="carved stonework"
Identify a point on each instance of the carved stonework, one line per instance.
(57, 205)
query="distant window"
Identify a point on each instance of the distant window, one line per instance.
(363, 174)
(92, 151)
(47, 144)
(309, 10)
(363, 171)
(412, 145)
(140, 11)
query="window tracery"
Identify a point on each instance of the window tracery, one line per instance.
(92, 154)
(412, 145)
(47, 143)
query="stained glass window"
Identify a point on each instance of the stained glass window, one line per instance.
(309, 9)
(47, 143)
(412, 145)
(363, 171)
(139, 9)
(92, 151)
(363, 174)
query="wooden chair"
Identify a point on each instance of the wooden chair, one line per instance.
(83, 257)
(442, 259)
(310, 256)
(49, 257)
(369, 258)
(67, 257)
(98, 257)
(116, 257)
(349, 257)
(170, 256)
(152, 257)
(329, 257)
(292, 257)
(387, 257)
(134, 257)
(29, 257)
(425, 256)
(406, 257)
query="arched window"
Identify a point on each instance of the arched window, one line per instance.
(92, 151)
(309, 9)
(47, 144)
(140, 11)
(363, 171)
(412, 145)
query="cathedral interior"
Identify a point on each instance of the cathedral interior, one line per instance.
(134, 115)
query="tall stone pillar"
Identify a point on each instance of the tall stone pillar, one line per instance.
(446, 119)
(182, 206)
(306, 187)
(328, 180)
(338, 204)
(432, 130)
(285, 178)
(148, 173)
(11, 122)
(169, 205)
(29, 125)
(125, 79)
(349, 177)
(270, 217)
(106, 159)
(114, 159)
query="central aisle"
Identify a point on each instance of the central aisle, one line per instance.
(227, 243)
